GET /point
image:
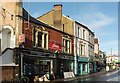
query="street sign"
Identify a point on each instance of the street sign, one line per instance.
(22, 38)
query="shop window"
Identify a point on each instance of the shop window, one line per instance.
(84, 67)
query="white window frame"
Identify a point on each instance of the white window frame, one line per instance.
(36, 38)
(69, 50)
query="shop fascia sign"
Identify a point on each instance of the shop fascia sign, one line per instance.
(55, 46)
(66, 57)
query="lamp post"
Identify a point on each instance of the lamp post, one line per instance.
(21, 60)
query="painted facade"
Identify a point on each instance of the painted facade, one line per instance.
(9, 23)
(83, 49)
(11, 28)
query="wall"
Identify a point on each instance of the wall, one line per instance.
(56, 37)
(9, 72)
(47, 18)
(7, 57)
(87, 42)
(96, 48)
(28, 34)
(8, 13)
(68, 25)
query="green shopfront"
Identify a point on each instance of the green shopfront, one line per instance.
(81, 65)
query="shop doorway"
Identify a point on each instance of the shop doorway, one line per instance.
(44, 67)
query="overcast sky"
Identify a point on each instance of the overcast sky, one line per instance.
(100, 17)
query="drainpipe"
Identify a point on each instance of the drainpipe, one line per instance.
(75, 51)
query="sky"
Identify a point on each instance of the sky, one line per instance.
(100, 17)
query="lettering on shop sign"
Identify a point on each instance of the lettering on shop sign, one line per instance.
(55, 46)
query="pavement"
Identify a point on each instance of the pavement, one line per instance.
(84, 76)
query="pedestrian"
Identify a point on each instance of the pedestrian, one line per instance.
(36, 79)
(107, 68)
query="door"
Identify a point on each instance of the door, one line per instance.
(44, 67)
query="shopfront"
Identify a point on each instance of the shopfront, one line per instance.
(41, 62)
(82, 65)
(64, 64)
(36, 62)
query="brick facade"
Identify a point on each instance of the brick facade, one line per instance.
(28, 34)
(55, 37)
(9, 72)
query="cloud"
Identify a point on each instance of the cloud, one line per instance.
(97, 20)
(36, 14)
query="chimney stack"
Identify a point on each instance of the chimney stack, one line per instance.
(57, 16)
(58, 7)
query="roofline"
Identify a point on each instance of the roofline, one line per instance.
(44, 14)
(44, 24)
(68, 17)
(85, 27)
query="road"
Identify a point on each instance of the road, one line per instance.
(108, 77)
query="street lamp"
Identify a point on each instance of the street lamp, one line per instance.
(21, 60)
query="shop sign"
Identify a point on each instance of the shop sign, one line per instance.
(83, 59)
(55, 46)
(66, 57)
(22, 38)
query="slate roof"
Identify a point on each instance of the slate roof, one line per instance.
(32, 19)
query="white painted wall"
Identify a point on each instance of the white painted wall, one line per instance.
(7, 57)
(85, 41)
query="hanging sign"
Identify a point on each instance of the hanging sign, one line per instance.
(22, 38)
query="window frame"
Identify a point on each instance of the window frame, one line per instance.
(68, 42)
(35, 38)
